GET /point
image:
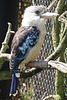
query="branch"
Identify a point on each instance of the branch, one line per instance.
(62, 67)
(6, 40)
(37, 64)
(60, 6)
(5, 56)
(51, 5)
(51, 97)
(51, 64)
(63, 17)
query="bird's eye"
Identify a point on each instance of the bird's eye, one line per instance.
(37, 12)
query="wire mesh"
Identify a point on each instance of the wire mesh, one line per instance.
(43, 83)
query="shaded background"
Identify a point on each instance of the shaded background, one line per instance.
(8, 13)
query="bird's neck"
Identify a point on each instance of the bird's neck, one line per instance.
(40, 27)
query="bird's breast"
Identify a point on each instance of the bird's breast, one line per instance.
(34, 52)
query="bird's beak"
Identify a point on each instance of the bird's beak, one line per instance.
(49, 15)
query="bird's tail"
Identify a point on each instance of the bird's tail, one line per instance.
(14, 83)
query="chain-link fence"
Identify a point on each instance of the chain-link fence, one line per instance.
(43, 83)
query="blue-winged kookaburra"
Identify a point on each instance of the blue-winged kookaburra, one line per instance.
(28, 40)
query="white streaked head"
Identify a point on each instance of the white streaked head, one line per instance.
(36, 15)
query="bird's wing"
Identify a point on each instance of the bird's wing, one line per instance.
(24, 39)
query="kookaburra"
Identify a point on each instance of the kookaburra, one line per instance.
(28, 40)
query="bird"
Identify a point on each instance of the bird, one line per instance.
(28, 40)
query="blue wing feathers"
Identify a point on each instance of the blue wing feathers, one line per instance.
(23, 47)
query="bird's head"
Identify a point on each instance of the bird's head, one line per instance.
(36, 16)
